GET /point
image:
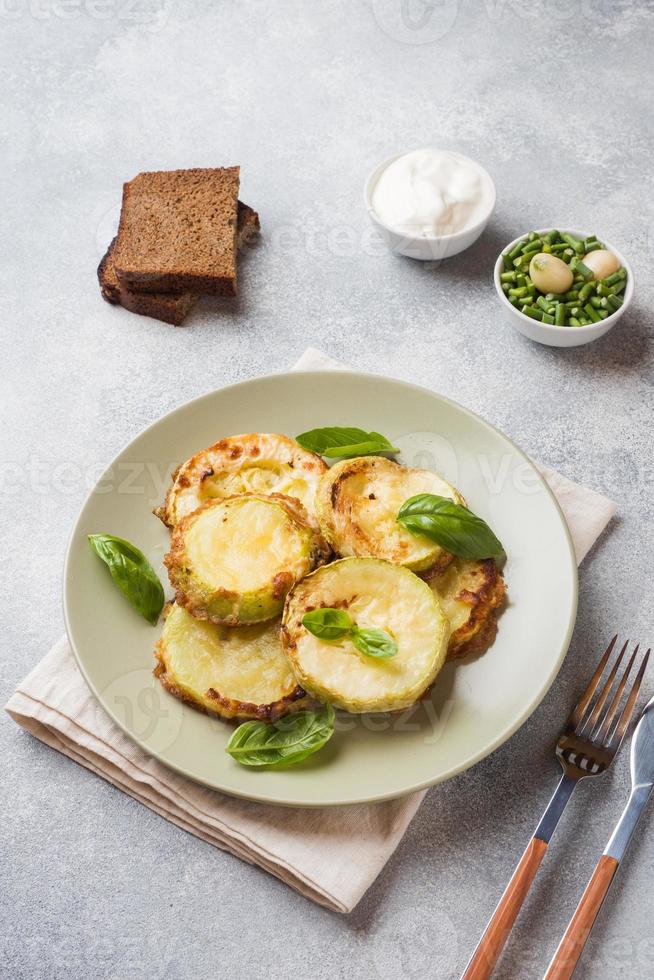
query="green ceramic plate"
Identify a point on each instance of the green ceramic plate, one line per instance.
(474, 706)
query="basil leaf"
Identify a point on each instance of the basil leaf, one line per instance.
(374, 643)
(327, 624)
(132, 573)
(345, 442)
(285, 742)
(453, 527)
(332, 624)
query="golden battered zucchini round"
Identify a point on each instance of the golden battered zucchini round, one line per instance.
(255, 463)
(233, 561)
(471, 594)
(357, 505)
(376, 594)
(234, 673)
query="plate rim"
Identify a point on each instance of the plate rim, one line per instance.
(488, 750)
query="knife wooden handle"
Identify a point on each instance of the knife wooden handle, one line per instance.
(497, 931)
(572, 945)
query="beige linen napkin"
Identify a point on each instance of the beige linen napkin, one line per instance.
(331, 856)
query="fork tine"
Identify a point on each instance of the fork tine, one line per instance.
(588, 723)
(584, 701)
(603, 725)
(628, 710)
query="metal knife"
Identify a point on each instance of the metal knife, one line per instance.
(571, 946)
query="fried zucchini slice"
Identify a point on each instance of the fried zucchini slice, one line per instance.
(357, 505)
(255, 463)
(234, 673)
(233, 561)
(376, 594)
(472, 594)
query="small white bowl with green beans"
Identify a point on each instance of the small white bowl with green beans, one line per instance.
(582, 301)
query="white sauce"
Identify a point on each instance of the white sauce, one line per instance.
(431, 192)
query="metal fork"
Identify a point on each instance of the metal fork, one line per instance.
(586, 747)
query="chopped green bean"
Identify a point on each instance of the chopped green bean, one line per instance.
(581, 270)
(574, 243)
(592, 313)
(619, 287)
(547, 318)
(614, 303)
(521, 279)
(572, 294)
(552, 237)
(592, 246)
(544, 305)
(517, 248)
(616, 277)
(603, 290)
(508, 276)
(559, 315)
(585, 291)
(518, 291)
(534, 246)
(533, 312)
(574, 322)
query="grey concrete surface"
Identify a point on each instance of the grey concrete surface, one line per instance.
(556, 100)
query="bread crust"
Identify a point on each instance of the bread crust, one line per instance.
(178, 230)
(168, 307)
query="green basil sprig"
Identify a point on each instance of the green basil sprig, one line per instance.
(345, 442)
(285, 742)
(450, 525)
(132, 573)
(332, 624)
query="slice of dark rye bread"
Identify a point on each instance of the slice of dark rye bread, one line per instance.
(177, 232)
(169, 307)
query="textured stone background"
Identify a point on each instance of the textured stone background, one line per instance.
(555, 99)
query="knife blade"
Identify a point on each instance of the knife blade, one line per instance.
(642, 782)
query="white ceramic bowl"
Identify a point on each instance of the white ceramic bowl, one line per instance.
(545, 333)
(427, 247)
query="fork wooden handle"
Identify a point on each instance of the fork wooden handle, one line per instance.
(492, 942)
(572, 945)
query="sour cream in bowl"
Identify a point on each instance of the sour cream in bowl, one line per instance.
(429, 204)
